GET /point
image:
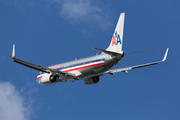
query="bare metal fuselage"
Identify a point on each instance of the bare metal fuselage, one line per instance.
(86, 67)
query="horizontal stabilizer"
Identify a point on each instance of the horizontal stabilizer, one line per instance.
(139, 52)
(108, 52)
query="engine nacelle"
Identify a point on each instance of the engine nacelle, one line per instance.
(46, 79)
(91, 80)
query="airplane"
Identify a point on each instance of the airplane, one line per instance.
(91, 68)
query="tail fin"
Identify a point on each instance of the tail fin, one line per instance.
(117, 39)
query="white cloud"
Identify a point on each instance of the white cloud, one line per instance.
(84, 10)
(87, 11)
(73, 9)
(12, 104)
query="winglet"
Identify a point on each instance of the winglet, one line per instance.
(13, 51)
(165, 56)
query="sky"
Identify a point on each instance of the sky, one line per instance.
(48, 32)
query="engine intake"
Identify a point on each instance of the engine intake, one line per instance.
(91, 80)
(52, 78)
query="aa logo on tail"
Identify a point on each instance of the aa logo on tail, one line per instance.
(116, 37)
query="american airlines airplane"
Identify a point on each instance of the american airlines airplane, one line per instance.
(91, 68)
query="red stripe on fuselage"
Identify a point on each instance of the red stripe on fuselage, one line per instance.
(84, 67)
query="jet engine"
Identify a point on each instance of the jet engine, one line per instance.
(91, 80)
(48, 78)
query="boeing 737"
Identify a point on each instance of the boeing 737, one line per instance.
(91, 68)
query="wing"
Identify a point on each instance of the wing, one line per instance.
(41, 68)
(137, 66)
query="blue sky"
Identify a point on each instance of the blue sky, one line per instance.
(48, 32)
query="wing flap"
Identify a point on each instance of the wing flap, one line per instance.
(129, 68)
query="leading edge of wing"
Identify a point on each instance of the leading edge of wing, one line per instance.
(27, 64)
(38, 67)
(137, 66)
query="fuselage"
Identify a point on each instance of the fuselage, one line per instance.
(86, 67)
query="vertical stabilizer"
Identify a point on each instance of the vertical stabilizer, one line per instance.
(117, 39)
